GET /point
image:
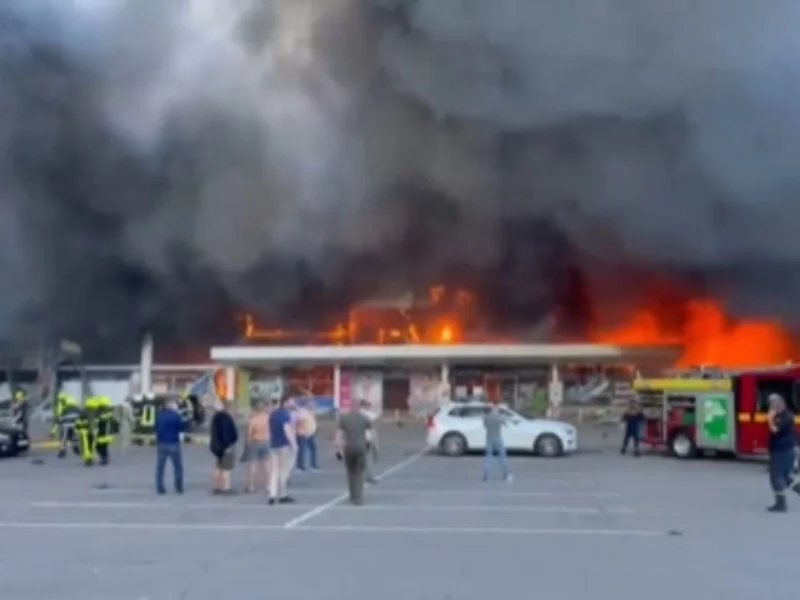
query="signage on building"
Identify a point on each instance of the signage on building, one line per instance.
(355, 386)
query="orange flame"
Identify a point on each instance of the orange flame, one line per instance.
(384, 322)
(446, 335)
(708, 336)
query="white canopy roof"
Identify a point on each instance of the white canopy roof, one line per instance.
(411, 354)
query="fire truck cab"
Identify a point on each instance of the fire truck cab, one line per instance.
(711, 410)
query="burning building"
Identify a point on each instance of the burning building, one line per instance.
(405, 349)
(347, 147)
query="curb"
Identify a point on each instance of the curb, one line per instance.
(48, 445)
(142, 440)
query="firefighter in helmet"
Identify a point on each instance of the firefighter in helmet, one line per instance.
(66, 414)
(105, 426)
(84, 428)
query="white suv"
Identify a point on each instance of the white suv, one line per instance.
(456, 428)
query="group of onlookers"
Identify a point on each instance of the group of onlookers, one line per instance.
(279, 437)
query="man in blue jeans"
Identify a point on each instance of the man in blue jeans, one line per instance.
(169, 426)
(493, 422)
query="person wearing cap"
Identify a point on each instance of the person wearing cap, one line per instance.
(782, 445)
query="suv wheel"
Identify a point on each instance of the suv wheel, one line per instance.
(548, 445)
(453, 444)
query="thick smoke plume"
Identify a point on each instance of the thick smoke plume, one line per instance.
(161, 162)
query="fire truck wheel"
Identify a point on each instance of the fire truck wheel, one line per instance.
(453, 444)
(682, 445)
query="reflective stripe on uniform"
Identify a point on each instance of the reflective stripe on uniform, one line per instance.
(148, 416)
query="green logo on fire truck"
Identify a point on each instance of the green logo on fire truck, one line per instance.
(715, 418)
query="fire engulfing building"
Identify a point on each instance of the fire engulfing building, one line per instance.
(410, 352)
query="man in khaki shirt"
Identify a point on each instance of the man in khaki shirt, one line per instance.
(352, 441)
(306, 436)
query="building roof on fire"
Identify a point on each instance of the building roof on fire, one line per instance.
(426, 354)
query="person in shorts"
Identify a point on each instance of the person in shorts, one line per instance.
(223, 446)
(258, 448)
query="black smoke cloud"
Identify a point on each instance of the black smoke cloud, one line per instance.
(162, 163)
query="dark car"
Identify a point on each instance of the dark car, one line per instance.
(13, 441)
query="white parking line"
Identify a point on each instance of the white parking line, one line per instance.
(254, 527)
(409, 508)
(416, 508)
(500, 491)
(464, 480)
(343, 496)
(516, 531)
(480, 490)
(164, 506)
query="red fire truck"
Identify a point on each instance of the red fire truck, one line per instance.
(711, 410)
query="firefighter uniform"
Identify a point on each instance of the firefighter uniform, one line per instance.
(104, 426)
(144, 414)
(66, 415)
(63, 400)
(84, 429)
(20, 410)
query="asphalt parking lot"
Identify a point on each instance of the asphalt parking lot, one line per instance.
(593, 525)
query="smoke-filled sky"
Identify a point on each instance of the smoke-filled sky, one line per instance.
(164, 161)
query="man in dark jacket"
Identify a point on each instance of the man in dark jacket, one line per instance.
(223, 446)
(633, 420)
(169, 426)
(782, 444)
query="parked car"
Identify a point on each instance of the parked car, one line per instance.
(457, 428)
(13, 441)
